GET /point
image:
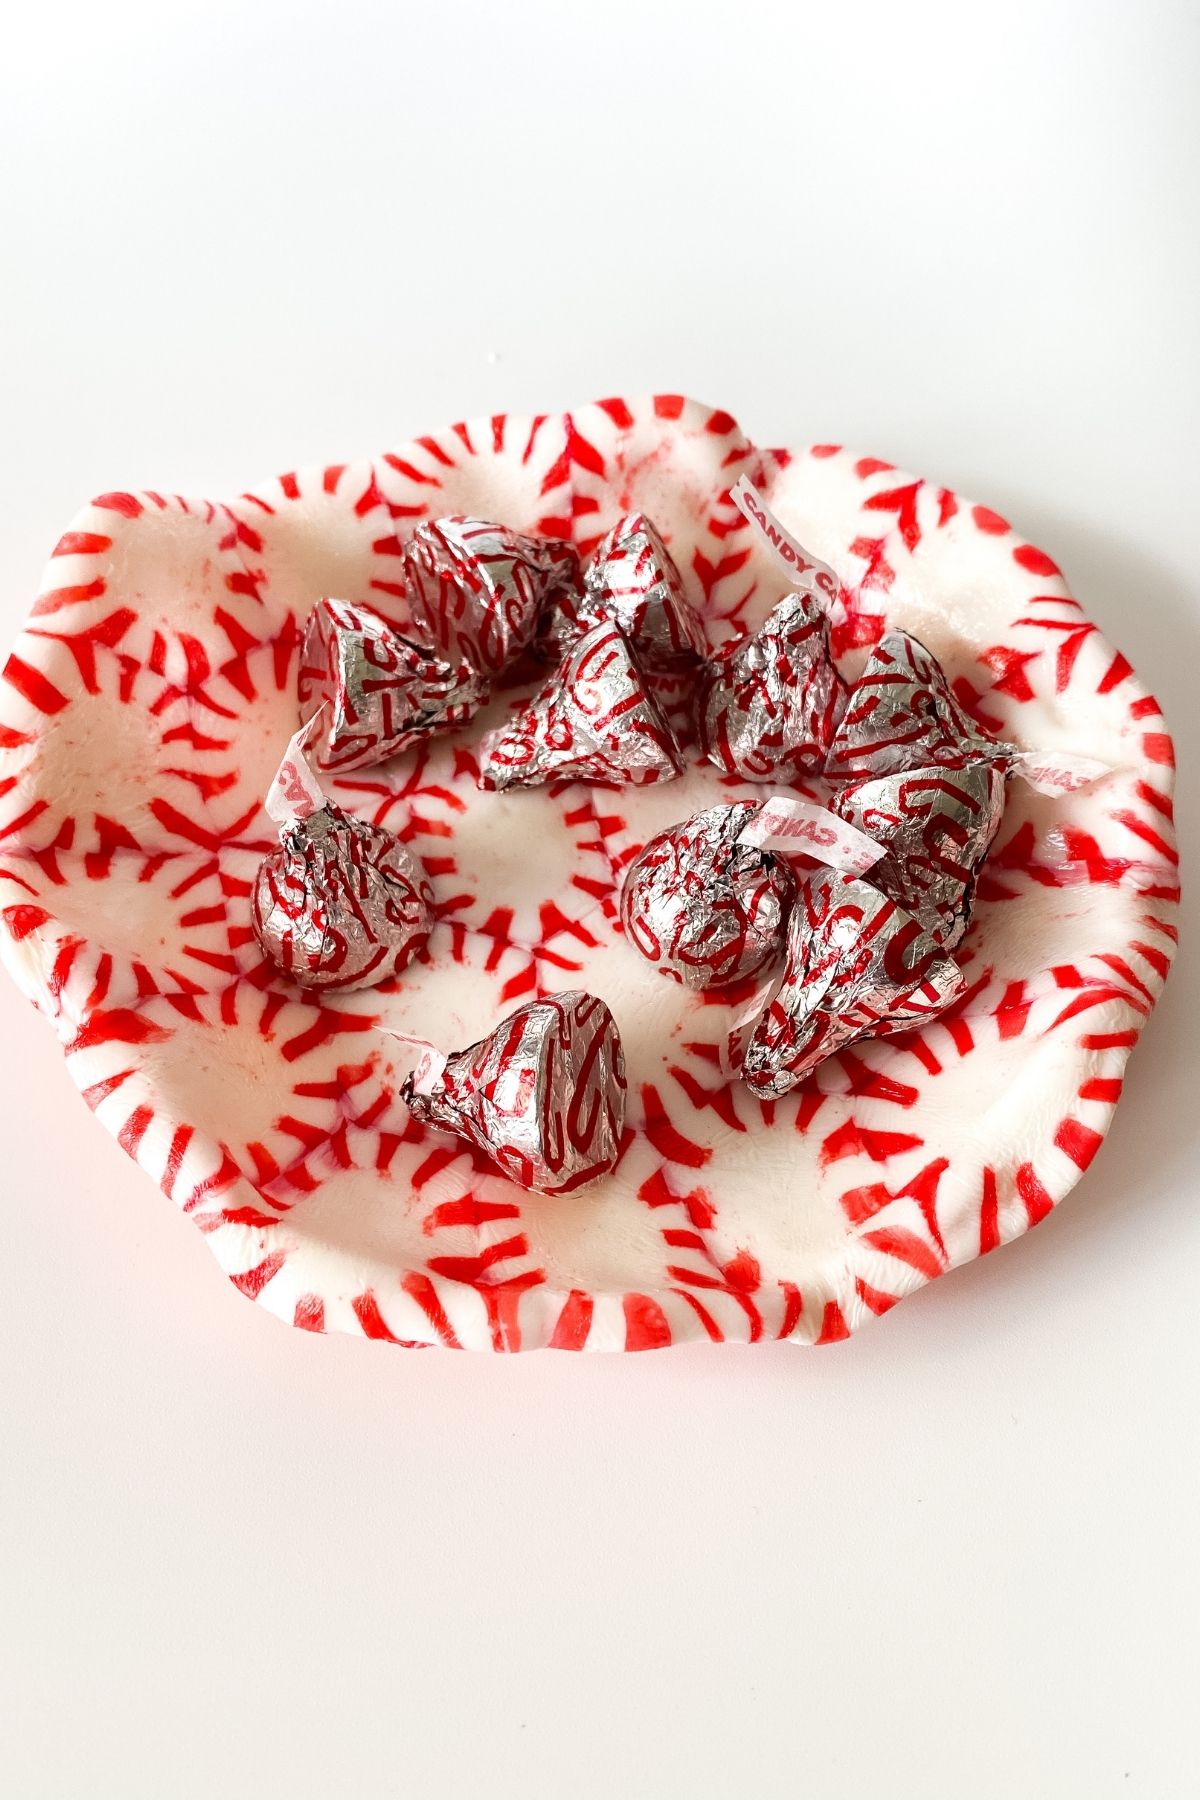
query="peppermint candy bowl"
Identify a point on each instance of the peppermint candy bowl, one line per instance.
(142, 715)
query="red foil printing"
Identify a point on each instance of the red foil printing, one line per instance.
(857, 966)
(902, 715)
(632, 580)
(936, 826)
(704, 908)
(594, 720)
(543, 1095)
(770, 702)
(341, 904)
(476, 590)
(382, 692)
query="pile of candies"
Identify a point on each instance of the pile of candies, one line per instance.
(846, 917)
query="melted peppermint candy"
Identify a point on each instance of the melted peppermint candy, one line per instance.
(857, 965)
(769, 702)
(543, 1095)
(632, 580)
(936, 827)
(476, 590)
(594, 720)
(341, 904)
(703, 907)
(382, 693)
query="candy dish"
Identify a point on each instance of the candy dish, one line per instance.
(144, 711)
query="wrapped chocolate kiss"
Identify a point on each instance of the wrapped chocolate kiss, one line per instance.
(857, 966)
(703, 906)
(341, 904)
(594, 720)
(476, 590)
(543, 1095)
(936, 826)
(901, 714)
(769, 703)
(632, 580)
(381, 693)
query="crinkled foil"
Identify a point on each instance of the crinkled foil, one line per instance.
(341, 904)
(594, 720)
(384, 693)
(769, 703)
(632, 580)
(703, 908)
(937, 826)
(902, 715)
(857, 966)
(543, 1095)
(476, 590)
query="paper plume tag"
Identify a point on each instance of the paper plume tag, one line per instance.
(801, 827)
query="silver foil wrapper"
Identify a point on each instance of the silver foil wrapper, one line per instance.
(476, 590)
(857, 966)
(937, 826)
(383, 693)
(341, 904)
(901, 714)
(631, 580)
(703, 908)
(543, 1095)
(594, 720)
(769, 703)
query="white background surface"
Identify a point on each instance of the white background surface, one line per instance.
(955, 1557)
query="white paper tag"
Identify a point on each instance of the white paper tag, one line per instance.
(787, 823)
(808, 570)
(295, 792)
(428, 1071)
(1058, 772)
